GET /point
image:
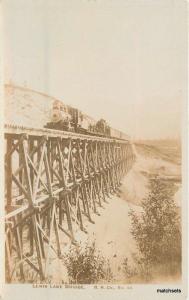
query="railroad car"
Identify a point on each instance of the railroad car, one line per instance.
(88, 123)
(115, 133)
(102, 127)
(124, 136)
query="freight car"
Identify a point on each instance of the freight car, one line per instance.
(115, 133)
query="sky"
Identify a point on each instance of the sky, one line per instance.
(121, 60)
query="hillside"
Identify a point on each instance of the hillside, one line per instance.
(26, 107)
(169, 150)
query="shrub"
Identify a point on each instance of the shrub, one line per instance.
(157, 230)
(130, 271)
(136, 269)
(85, 265)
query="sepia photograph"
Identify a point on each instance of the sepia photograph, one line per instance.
(95, 101)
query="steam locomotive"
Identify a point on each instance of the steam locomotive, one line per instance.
(66, 118)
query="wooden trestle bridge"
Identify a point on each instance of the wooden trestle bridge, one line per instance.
(54, 183)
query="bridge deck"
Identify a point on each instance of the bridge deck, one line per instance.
(17, 130)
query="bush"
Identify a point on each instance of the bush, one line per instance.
(136, 270)
(130, 271)
(157, 230)
(85, 265)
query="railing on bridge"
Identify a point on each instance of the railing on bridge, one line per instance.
(54, 183)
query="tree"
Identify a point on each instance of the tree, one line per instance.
(157, 230)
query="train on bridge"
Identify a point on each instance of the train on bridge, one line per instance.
(56, 180)
(67, 118)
